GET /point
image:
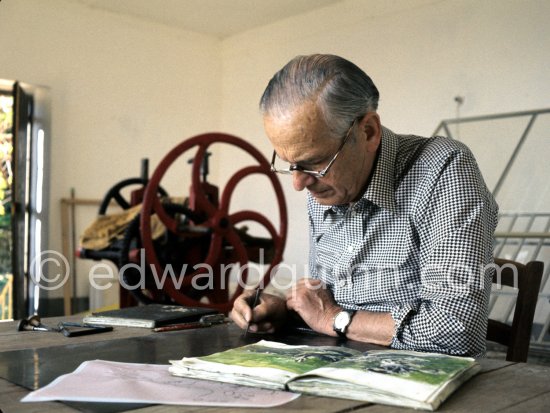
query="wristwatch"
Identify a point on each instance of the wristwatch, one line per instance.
(342, 321)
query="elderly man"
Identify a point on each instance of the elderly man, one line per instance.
(401, 227)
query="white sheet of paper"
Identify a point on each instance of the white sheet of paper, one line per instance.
(108, 381)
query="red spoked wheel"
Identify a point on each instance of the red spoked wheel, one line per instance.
(225, 241)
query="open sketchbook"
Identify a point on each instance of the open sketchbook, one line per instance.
(401, 378)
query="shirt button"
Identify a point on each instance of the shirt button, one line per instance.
(350, 248)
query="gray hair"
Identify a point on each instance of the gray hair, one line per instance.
(342, 91)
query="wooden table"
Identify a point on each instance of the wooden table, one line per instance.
(32, 359)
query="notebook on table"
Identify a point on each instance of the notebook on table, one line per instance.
(148, 316)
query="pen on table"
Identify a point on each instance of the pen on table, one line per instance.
(183, 326)
(205, 321)
(252, 306)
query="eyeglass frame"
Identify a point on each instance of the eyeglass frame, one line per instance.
(316, 174)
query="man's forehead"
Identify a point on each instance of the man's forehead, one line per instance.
(304, 125)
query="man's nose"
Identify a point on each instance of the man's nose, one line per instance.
(301, 180)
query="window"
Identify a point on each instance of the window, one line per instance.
(24, 188)
(6, 181)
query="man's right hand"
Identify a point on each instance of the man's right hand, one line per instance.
(266, 317)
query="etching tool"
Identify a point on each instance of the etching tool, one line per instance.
(253, 303)
(205, 321)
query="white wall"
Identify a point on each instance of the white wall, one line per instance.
(122, 89)
(421, 54)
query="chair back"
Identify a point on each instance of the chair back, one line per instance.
(527, 279)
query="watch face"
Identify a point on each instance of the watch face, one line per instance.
(342, 320)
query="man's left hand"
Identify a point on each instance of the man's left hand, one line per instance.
(314, 302)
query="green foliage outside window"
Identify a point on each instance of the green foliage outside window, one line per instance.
(6, 181)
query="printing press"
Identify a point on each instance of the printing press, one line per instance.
(195, 236)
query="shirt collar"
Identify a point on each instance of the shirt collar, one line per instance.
(381, 189)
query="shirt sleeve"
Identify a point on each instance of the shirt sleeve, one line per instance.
(455, 217)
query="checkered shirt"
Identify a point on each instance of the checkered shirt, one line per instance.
(415, 245)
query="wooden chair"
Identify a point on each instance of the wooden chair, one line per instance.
(517, 336)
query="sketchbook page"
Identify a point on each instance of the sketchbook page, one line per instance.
(342, 390)
(262, 377)
(424, 378)
(264, 364)
(107, 381)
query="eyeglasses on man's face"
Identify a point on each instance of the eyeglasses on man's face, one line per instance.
(316, 174)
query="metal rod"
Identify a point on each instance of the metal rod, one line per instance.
(522, 240)
(513, 156)
(544, 329)
(447, 130)
(72, 257)
(512, 224)
(497, 116)
(522, 235)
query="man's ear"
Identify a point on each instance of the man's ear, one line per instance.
(372, 130)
